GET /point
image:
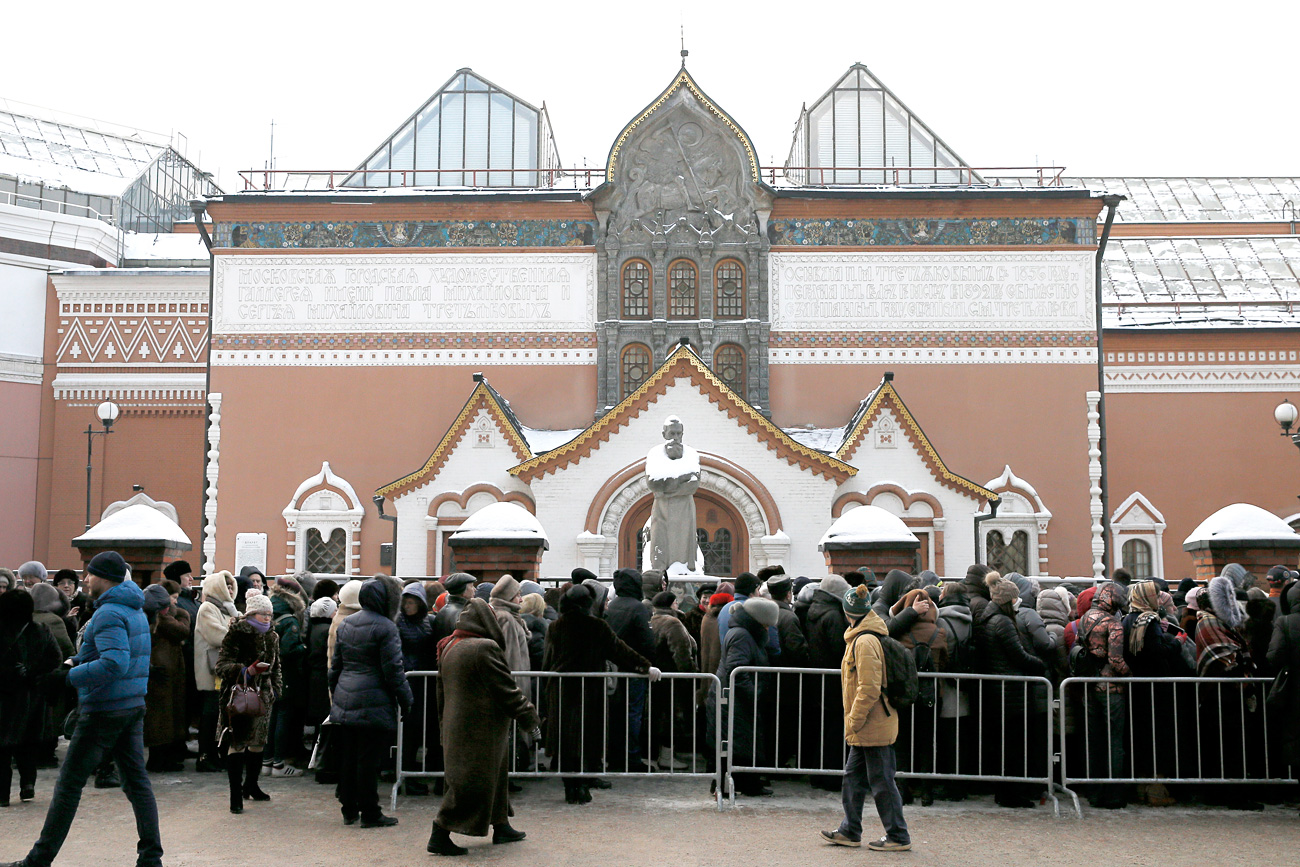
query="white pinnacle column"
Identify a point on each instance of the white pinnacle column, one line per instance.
(1094, 485)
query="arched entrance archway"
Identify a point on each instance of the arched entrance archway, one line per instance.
(724, 537)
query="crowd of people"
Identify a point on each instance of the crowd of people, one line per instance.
(290, 675)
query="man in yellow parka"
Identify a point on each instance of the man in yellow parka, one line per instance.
(870, 728)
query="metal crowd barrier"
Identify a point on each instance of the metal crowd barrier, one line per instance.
(945, 741)
(1197, 730)
(603, 695)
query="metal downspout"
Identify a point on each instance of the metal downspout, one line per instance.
(1111, 202)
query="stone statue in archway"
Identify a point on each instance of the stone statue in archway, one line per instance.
(673, 472)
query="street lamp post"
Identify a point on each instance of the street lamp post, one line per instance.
(107, 412)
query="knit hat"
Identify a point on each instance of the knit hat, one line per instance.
(665, 599)
(65, 575)
(156, 598)
(726, 587)
(457, 581)
(259, 603)
(484, 591)
(175, 569)
(975, 574)
(856, 600)
(1194, 598)
(506, 588)
(46, 597)
(440, 601)
(746, 583)
(720, 599)
(287, 583)
(323, 607)
(325, 587)
(1004, 592)
(350, 595)
(109, 565)
(765, 611)
(528, 588)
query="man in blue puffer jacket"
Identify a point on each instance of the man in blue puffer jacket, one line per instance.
(111, 676)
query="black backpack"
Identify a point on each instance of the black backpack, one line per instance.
(925, 665)
(1083, 663)
(902, 686)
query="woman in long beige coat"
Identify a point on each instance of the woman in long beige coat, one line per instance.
(210, 627)
(477, 700)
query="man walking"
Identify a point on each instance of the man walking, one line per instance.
(111, 675)
(870, 727)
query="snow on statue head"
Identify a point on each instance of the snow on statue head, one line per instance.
(673, 470)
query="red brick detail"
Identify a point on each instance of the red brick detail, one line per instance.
(878, 560)
(493, 561)
(462, 499)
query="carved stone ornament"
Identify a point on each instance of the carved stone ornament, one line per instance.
(683, 175)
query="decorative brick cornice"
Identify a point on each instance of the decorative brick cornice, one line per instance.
(684, 363)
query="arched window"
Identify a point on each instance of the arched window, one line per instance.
(1007, 557)
(327, 556)
(683, 290)
(729, 290)
(1136, 556)
(729, 366)
(636, 290)
(634, 367)
(717, 554)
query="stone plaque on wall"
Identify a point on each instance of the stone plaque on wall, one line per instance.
(448, 292)
(932, 291)
(250, 550)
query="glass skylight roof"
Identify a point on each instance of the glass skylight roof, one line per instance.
(1176, 200)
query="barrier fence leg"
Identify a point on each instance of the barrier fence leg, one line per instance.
(397, 776)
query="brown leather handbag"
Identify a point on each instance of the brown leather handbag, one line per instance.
(245, 701)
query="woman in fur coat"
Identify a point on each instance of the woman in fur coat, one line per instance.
(477, 701)
(250, 653)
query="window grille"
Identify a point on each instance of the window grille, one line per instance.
(327, 556)
(1007, 557)
(636, 290)
(729, 366)
(1136, 557)
(717, 554)
(729, 290)
(635, 367)
(683, 290)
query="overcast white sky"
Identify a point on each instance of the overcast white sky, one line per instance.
(1102, 88)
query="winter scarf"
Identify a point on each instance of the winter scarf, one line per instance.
(1144, 600)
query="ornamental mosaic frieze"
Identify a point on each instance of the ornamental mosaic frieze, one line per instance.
(1030, 231)
(415, 234)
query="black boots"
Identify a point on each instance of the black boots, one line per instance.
(577, 792)
(503, 833)
(235, 773)
(252, 770)
(440, 843)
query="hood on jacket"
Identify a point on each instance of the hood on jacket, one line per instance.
(350, 596)
(1223, 600)
(870, 622)
(292, 597)
(1237, 574)
(16, 609)
(1084, 601)
(242, 585)
(909, 599)
(46, 597)
(416, 590)
(1110, 599)
(627, 582)
(742, 617)
(1290, 599)
(127, 593)
(219, 587)
(896, 583)
(1024, 587)
(394, 587)
(599, 594)
(1056, 606)
(156, 598)
(974, 580)
(374, 596)
(477, 617)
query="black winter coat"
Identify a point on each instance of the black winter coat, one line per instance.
(318, 678)
(419, 650)
(630, 621)
(1162, 653)
(1284, 653)
(745, 645)
(444, 623)
(366, 675)
(537, 627)
(999, 647)
(826, 627)
(28, 654)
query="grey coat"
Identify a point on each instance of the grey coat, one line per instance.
(366, 674)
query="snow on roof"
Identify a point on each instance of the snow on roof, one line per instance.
(1241, 521)
(502, 521)
(865, 525)
(180, 246)
(823, 439)
(540, 441)
(80, 154)
(1200, 200)
(138, 523)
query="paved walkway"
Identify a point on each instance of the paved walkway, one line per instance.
(644, 823)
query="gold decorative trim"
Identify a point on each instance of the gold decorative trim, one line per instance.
(479, 398)
(854, 440)
(684, 77)
(658, 383)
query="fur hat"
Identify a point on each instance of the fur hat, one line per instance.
(1004, 592)
(175, 569)
(506, 589)
(323, 607)
(765, 611)
(33, 569)
(260, 603)
(46, 597)
(1223, 600)
(856, 600)
(325, 587)
(1237, 574)
(577, 576)
(720, 599)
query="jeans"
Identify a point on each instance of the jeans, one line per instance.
(871, 769)
(284, 735)
(360, 750)
(119, 734)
